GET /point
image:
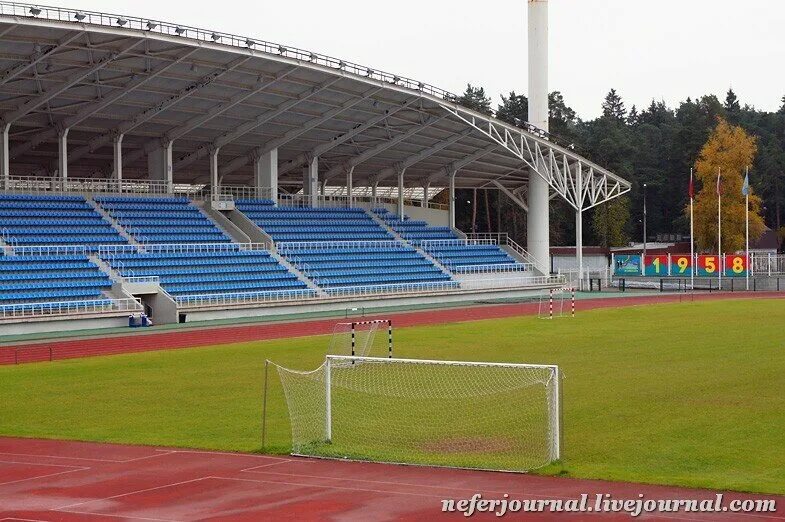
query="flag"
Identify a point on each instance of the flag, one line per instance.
(745, 189)
(691, 189)
(719, 182)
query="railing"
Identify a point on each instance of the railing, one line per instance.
(245, 192)
(767, 264)
(110, 250)
(153, 279)
(489, 269)
(288, 246)
(88, 186)
(503, 239)
(431, 243)
(239, 298)
(68, 308)
(51, 250)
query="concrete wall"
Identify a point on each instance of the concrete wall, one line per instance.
(65, 324)
(435, 217)
(590, 262)
(163, 307)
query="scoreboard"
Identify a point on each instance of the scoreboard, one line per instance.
(675, 265)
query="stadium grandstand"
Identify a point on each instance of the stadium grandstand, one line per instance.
(147, 166)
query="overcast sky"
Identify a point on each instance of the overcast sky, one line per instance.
(664, 50)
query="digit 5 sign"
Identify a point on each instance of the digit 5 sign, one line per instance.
(708, 266)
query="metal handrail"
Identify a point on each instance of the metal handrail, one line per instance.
(68, 308)
(88, 186)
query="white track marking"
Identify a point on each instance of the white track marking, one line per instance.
(72, 470)
(120, 495)
(90, 459)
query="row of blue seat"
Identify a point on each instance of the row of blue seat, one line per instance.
(57, 284)
(57, 295)
(189, 288)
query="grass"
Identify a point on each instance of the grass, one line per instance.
(687, 394)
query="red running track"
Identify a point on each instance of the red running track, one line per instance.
(43, 480)
(193, 337)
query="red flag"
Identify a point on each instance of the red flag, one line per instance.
(691, 189)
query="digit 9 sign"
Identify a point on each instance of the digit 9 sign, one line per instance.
(735, 265)
(655, 266)
(708, 266)
(681, 265)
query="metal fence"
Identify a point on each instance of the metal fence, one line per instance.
(69, 308)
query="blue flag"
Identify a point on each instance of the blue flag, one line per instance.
(745, 189)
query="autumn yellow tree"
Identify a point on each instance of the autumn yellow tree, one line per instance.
(729, 149)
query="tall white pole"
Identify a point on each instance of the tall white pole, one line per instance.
(692, 236)
(719, 225)
(538, 221)
(747, 222)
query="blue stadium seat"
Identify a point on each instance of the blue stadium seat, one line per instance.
(32, 219)
(189, 273)
(25, 280)
(162, 219)
(455, 255)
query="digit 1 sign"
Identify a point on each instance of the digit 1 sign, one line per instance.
(735, 265)
(708, 266)
(656, 266)
(680, 264)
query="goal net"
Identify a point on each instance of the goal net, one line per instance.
(459, 414)
(363, 338)
(552, 303)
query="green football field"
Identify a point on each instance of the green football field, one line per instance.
(687, 394)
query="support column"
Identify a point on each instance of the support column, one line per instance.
(400, 193)
(159, 166)
(117, 160)
(265, 170)
(538, 219)
(5, 163)
(374, 190)
(214, 170)
(62, 155)
(311, 182)
(425, 188)
(451, 197)
(350, 185)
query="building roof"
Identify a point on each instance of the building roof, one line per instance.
(101, 76)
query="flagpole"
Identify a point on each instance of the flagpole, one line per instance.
(692, 237)
(747, 222)
(719, 226)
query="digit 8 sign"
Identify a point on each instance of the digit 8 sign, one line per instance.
(735, 265)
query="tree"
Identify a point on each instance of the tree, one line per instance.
(613, 107)
(728, 150)
(732, 106)
(609, 222)
(514, 109)
(476, 99)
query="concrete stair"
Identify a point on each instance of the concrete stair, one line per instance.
(112, 221)
(293, 269)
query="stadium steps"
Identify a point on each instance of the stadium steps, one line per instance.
(115, 225)
(223, 223)
(399, 238)
(302, 277)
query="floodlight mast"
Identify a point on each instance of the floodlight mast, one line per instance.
(538, 239)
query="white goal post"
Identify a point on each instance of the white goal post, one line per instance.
(361, 338)
(484, 415)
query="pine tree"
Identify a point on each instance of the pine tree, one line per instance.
(613, 107)
(476, 99)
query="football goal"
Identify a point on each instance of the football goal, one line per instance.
(373, 338)
(495, 416)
